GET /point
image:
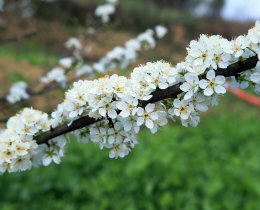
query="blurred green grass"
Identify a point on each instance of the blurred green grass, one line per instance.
(32, 52)
(212, 166)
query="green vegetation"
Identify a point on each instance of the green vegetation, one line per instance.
(214, 166)
(132, 13)
(32, 52)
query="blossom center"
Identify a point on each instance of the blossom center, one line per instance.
(183, 109)
(212, 84)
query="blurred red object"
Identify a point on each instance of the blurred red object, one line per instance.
(252, 99)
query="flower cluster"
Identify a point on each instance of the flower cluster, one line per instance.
(146, 79)
(56, 74)
(118, 100)
(18, 149)
(123, 56)
(160, 31)
(118, 56)
(120, 105)
(105, 10)
(17, 92)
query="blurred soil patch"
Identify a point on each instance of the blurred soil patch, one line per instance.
(13, 70)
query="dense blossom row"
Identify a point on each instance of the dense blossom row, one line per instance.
(119, 55)
(119, 102)
(122, 56)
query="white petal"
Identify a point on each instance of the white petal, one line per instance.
(214, 65)
(210, 74)
(127, 126)
(203, 83)
(255, 77)
(149, 123)
(234, 84)
(239, 53)
(163, 85)
(220, 80)
(145, 98)
(112, 153)
(201, 107)
(188, 95)
(177, 103)
(171, 111)
(56, 159)
(128, 98)
(46, 161)
(208, 92)
(154, 115)
(112, 113)
(244, 85)
(111, 139)
(177, 112)
(121, 105)
(125, 113)
(121, 152)
(185, 87)
(226, 57)
(154, 129)
(149, 107)
(140, 121)
(185, 116)
(102, 111)
(188, 77)
(73, 114)
(223, 64)
(140, 111)
(220, 89)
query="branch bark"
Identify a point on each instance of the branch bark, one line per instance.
(20, 37)
(158, 95)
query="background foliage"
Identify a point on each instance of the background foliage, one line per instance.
(213, 166)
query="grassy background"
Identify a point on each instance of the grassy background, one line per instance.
(214, 166)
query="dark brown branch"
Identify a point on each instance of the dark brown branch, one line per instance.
(18, 38)
(232, 70)
(170, 92)
(238, 67)
(63, 129)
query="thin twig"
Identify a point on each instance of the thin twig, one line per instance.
(20, 37)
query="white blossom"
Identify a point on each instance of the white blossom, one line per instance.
(191, 85)
(56, 74)
(213, 83)
(128, 106)
(118, 150)
(104, 11)
(182, 108)
(147, 116)
(160, 31)
(99, 136)
(17, 92)
(73, 43)
(66, 62)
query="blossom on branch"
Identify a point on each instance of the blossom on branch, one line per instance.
(213, 83)
(114, 107)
